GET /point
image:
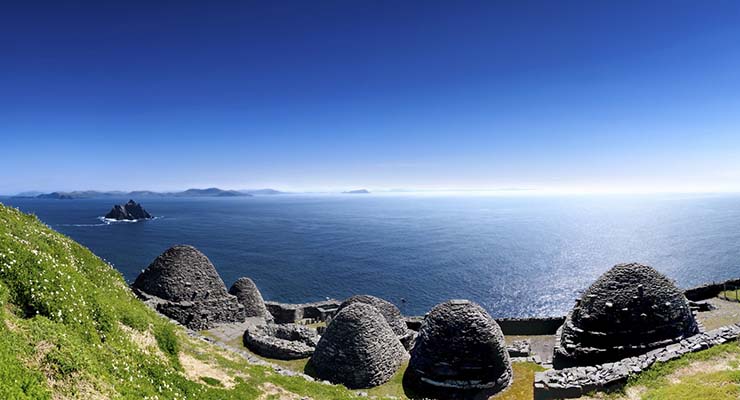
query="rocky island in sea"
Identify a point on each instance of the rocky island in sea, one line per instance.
(131, 211)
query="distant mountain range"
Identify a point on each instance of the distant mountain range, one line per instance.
(91, 194)
(358, 191)
(262, 191)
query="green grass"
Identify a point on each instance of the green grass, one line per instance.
(730, 295)
(724, 385)
(656, 376)
(66, 323)
(662, 380)
(211, 381)
(522, 387)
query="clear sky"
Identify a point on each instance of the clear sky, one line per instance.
(323, 95)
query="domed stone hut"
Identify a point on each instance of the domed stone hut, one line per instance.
(459, 352)
(358, 349)
(630, 309)
(250, 297)
(390, 312)
(183, 284)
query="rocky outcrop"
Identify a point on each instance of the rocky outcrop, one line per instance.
(282, 342)
(629, 310)
(358, 349)
(459, 352)
(390, 312)
(578, 381)
(130, 211)
(182, 284)
(250, 297)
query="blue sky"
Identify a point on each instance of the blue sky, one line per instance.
(324, 95)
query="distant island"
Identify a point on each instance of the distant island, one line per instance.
(358, 191)
(131, 211)
(92, 194)
(263, 191)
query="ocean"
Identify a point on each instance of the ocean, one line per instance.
(515, 255)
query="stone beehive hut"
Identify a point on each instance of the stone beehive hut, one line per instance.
(358, 349)
(183, 285)
(250, 297)
(391, 314)
(460, 350)
(630, 309)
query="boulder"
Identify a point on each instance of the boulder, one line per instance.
(250, 297)
(460, 352)
(358, 349)
(629, 310)
(391, 314)
(130, 211)
(183, 284)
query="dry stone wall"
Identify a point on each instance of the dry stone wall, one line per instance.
(282, 342)
(577, 381)
(285, 313)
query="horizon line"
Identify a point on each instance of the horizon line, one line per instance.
(466, 191)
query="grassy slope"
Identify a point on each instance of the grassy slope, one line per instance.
(709, 374)
(71, 328)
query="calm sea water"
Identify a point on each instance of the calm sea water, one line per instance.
(517, 256)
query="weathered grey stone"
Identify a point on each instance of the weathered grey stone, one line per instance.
(460, 348)
(577, 381)
(283, 342)
(390, 312)
(250, 297)
(519, 348)
(182, 284)
(358, 349)
(285, 313)
(629, 310)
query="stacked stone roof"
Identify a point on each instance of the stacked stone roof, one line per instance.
(459, 351)
(183, 284)
(630, 309)
(250, 297)
(358, 349)
(390, 312)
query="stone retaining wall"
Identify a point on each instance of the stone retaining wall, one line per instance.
(577, 381)
(291, 313)
(709, 290)
(530, 326)
(511, 326)
(281, 341)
